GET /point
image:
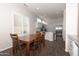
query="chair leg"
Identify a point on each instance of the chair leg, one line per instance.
(14, 51)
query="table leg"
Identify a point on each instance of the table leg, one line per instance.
(28, 49)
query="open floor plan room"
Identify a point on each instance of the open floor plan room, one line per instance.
(39, 29)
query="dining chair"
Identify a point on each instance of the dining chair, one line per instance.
(35, 46)
(38, 38)
(43, 38)
(17, 45)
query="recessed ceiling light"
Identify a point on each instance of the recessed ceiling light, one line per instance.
(37, 8)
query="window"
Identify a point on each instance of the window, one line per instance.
(21, 24)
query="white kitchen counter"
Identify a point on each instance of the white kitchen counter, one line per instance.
(49, 36)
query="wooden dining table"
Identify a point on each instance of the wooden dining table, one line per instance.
(27, 40)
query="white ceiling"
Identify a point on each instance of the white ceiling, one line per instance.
(47, 10)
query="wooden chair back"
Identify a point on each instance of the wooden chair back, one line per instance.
(43, 38)
(15, 39)
(43, 34)
(15, 43)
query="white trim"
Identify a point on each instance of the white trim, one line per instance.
(5, 48)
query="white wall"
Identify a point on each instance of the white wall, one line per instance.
(71, 23)
(53, 22)
(33, 20)
(78, 20)
(6, 22)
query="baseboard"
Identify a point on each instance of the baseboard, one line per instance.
(5, 48)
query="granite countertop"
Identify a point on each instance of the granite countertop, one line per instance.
(74, 38)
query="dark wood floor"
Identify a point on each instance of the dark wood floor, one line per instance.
(53, 48)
